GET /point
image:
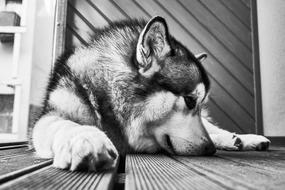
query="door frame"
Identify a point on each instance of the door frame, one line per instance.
(256, 70)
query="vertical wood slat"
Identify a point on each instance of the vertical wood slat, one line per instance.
(233, 86)
(60, 29)
(256, 74)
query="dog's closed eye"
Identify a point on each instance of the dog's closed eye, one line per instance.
(190, 102)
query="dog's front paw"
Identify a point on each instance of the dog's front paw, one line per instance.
(228, 141)
(254, 142)
(84, 148)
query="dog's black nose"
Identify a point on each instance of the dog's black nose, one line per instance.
(209, 149)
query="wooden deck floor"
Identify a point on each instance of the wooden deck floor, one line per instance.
(20, 169)
(225, 170)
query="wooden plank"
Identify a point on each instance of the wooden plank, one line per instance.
(225, 16)
(91, 15)
(13, 144)
(10, 156)
(161, 172)
(21, 169)
(246, 2)
(229, 170)
(53, 178)
(8, 152)
(214, 26)
(240, 171)
(108, 9)
(131, 9)
(234, 110)
(72, 39)
(75, 21)
(221, 118)
(19, 161)
(272, 160)
(237, 7)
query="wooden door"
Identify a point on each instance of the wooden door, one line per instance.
(221, 28)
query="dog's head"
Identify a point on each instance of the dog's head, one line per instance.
(172, 116)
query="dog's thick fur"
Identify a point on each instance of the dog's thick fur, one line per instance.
(133, 89)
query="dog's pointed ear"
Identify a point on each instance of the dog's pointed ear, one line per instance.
(153, 46)
(201, 56)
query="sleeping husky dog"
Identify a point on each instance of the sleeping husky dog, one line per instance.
(134, 88)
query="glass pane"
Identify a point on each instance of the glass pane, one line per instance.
(6, 112)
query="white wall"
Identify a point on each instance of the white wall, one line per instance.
(42, 50)
(271, 26)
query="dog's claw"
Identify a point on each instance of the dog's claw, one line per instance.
(113, 154)
(238, 143)
(262, 146)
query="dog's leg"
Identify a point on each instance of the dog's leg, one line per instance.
(72, 145)
(222, 139)
(226, 140)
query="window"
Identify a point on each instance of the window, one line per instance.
(15, 68)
